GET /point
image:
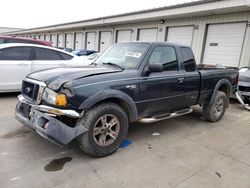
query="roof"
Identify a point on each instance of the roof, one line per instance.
(47, 43)
(8, 45)
(194, 8)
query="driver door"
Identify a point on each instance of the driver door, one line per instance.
(15, 64)
(162, 91)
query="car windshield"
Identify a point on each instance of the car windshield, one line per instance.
(76, 52)
(125, 55)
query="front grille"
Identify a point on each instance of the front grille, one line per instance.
(245, 89)
(30, 90)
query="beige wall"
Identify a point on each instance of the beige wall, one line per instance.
(199, 35)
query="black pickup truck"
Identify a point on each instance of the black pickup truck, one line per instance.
(136, 81)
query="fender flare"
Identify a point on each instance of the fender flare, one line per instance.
(108, 94)
(216, 88)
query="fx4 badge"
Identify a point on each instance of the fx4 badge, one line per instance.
(131, 86)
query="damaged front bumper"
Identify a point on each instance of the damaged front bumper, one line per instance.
(238, 96)
(43, 120)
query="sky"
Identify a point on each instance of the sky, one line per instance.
(38, 13)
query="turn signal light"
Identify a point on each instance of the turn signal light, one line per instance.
(61, 100)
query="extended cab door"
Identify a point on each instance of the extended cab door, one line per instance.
(15, 64)
(191, 77)
(162, 91)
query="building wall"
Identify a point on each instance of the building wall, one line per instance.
(199, 35)
(8, 29)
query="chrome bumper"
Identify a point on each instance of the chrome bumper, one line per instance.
(50, 110)
(238, 96)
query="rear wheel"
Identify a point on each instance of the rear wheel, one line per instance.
(107, 126)
(215, 111)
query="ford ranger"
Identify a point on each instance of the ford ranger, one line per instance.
(135, 81)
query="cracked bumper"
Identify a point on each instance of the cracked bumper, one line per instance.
(46, 124)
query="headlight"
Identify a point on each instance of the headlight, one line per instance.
(54, 98)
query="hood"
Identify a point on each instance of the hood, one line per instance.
(56, 77)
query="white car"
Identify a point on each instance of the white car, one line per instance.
(19, 60)
(87, 60)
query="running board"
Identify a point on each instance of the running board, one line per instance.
(166, 116)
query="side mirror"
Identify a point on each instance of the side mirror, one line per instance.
(154, 67)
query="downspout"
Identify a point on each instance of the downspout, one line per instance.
(113, 29)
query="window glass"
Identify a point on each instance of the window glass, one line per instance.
(46, 54)
(15, 53)
(1, 41)
(188, 59)
(166, 56)
(65, 56)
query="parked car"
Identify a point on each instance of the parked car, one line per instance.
(9, 39)
(88, 60)
(243, 93)
(83, 52)
(18, 60)
(140, 81)
(65, 49)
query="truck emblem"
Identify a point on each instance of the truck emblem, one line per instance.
(27, 90)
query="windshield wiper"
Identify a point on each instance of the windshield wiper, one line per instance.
(114, 65)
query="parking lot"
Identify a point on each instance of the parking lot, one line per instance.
(187, 152)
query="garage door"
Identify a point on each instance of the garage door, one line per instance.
(60, 40)
(79, 41)
(47, 37)
(180, 35)
(224, 44)
(105, 40)
(41, 37)
(123, 36)
(90, 40)
(149, 35)
(69, 40)
(54, 39)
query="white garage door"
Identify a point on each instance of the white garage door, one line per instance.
(41, 37)
(123, 36)
(69, 40)
(47, 37)
(54, 39)
(224, 44)
(79, 41)
(90, 42)
(60, 40)
(148, 35)
(105, 40)
(181, 35)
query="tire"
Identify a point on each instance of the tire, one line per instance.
(101, 139)
(215, 111)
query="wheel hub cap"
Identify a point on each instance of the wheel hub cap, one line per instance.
(106, 130)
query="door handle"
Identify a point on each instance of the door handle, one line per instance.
(23, 64)
(180, 80)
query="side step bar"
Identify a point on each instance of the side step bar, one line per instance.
(165, 116)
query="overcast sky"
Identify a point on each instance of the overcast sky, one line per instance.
(36, 13)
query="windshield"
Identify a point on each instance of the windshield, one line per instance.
(76, 52)
(126, 55)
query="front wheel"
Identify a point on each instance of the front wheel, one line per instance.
(215, 111)
(107, 126)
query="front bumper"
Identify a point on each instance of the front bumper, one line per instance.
(43, 121)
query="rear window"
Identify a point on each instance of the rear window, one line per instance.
(65, 56)
(15, 53)
(46, 54)
(188, 59)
